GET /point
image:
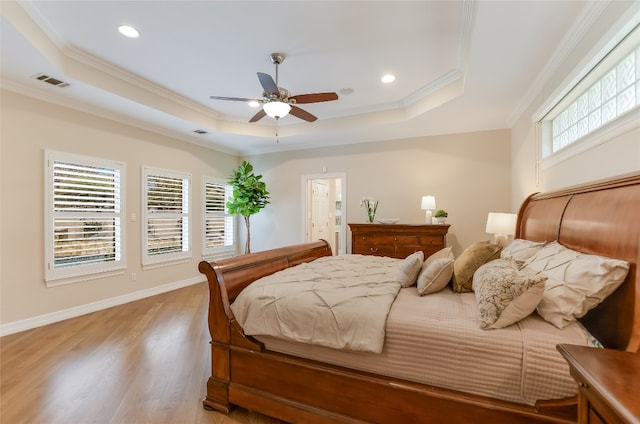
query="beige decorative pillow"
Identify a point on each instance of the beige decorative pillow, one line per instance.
(435, 275)
(505, 295)
(576, 282)
(469, 261)
(442, 253)
(521, 250)
(410, 269)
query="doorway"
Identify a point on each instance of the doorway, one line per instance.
(324, 209)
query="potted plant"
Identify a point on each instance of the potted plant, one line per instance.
(250, 195)
(440, 216)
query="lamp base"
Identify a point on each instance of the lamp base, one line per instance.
(428, 217)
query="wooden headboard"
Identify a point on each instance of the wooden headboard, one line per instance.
(600, 218)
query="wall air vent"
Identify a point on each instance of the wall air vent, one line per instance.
(51, 80)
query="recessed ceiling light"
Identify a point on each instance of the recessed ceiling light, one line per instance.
(128, 31)
(253, 103)
(388, 78)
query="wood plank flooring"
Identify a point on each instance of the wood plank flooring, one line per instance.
(144, 362)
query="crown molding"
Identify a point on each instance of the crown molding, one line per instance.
(566, 46)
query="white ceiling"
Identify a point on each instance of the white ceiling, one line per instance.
(460, 65)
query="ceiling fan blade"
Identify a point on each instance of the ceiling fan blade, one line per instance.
(268, 84)
(314, 97)
(258, 116)
(235, 99)
(302, 114)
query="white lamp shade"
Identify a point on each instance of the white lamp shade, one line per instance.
(501, 223)
(277, 109)
(428, 202)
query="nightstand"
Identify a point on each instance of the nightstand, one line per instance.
(397, 240)
(608, 383)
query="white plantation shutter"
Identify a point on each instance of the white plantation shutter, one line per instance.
(219, 237)
(166, 216)
(84, 216)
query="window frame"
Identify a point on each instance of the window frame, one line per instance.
(601, 60)
(169, 258)
(82, 271)
(218, 252)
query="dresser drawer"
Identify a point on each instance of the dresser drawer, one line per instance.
(373, 249)
(426, 240)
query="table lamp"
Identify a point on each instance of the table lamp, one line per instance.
(501, 225)
(428, 205)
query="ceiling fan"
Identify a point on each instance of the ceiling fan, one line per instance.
(276, 101)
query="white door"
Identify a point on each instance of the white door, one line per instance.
(320, 210)
(324, 209)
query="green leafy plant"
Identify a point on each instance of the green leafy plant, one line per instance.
(441, 213)
(250, 195)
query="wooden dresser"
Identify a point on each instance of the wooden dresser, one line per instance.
(397, 240)
(608, 384)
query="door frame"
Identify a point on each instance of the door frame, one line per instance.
(342, 237)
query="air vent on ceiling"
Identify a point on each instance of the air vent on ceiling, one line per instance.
(200, 132)
(51, 80)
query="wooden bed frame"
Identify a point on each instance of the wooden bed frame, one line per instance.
(599, 218)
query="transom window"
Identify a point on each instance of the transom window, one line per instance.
(617, 92)
(166, 216)
(84, 222)
(609, 91)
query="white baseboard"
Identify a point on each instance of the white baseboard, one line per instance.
(50, 318)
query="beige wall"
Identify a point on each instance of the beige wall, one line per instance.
(620, 154)
(467, 173)
(28, 128)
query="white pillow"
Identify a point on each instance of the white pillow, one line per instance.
(435, 275)
(410, 268)
(576, 282)
(504, 294)
(521, 250)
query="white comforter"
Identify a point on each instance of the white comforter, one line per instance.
(340, 302)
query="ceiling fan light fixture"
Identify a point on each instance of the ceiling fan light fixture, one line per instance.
(277, 109)
(253, 103)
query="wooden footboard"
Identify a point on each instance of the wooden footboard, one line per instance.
(226, 279)
(294, 389)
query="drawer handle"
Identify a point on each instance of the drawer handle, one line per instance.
(582, 384)
(374, 250)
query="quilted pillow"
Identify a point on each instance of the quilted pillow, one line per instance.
(435, 275)
(505, 295)
(577, 282)
(520, 250)
(469, 261)
(411, 266)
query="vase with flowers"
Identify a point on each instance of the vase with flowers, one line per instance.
(371, 206)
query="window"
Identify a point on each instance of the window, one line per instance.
(84, 221)
(607, 93)
(219, 236)
(166, 216)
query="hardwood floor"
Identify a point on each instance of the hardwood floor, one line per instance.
(144, 362)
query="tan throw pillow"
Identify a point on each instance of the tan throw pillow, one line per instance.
(435, 275)
(410, 269)
(442, 253)
(469, 261)
(521, 250)
(576, 282)
(504, 294)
